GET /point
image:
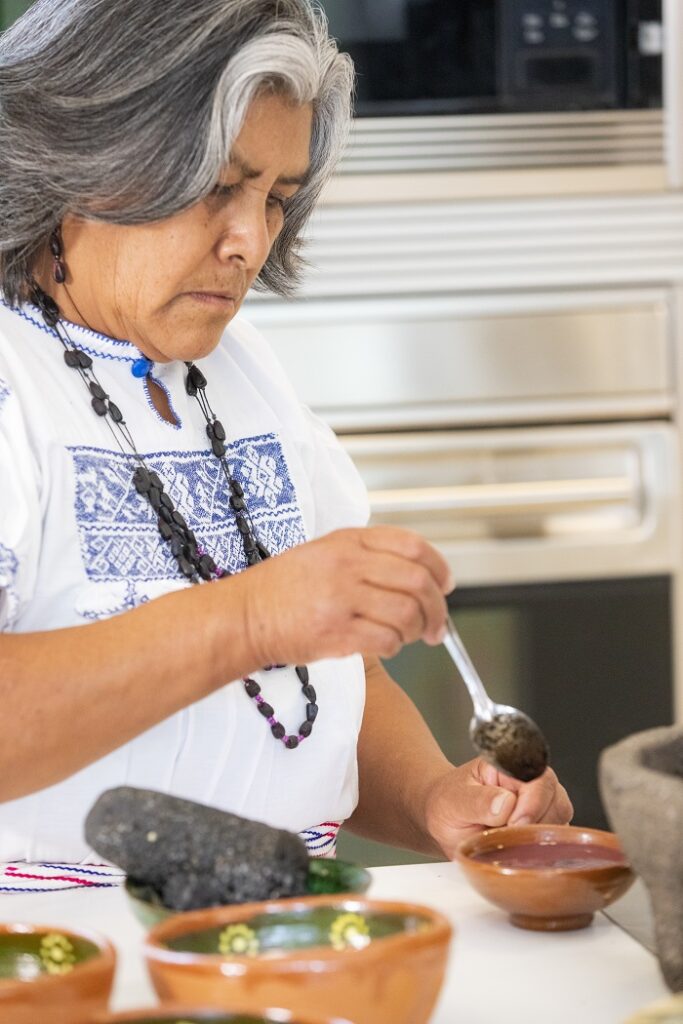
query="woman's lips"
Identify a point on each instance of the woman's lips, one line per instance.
(214, 299)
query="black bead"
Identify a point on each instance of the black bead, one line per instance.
(262, 550)
(166, 514)
(309, 693)
(49, 306)
(204, 572)
(176, 545)
(209, 431)
(218, 448)
(51, 319)
(99, 406)
(154, 498)
(238, 504)
(218, 430)
(141, 480)
(253, 559)
(252, 687)
(190, 552)
(55, 245)
(167, 502)
(96, 391)
(178, 519)
(59, 272)
(236, 488)
(302, 673)
(115, 413)
(292, 742)
(278, 730)
(311, 712)
(186, 568)
(197, 378)
(156, 480)
(165, 530)
(242, 525)
(249, 546)
(84, 360)
(71, 358)
(190, 388)
(306, 728)
(266, 710)
(207, 565)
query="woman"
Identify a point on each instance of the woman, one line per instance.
(156, 161)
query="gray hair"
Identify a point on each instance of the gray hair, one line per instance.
(126, 111)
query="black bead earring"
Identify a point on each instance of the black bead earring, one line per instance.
(57, 250)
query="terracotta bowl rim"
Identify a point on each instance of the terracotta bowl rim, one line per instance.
(468, 846)
(440, 930)
(271, 1015)
(103, 960)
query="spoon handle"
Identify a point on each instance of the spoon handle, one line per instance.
(456, 648)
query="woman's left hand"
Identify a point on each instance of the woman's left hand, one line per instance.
(474, 796)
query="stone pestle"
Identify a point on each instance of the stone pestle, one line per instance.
(641, 781)
(190, 855)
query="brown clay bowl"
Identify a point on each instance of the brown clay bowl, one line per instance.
(561, 893)
(178, 1015)
(53, 974)
(370, 961)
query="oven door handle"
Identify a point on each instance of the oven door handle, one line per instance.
(507, 498)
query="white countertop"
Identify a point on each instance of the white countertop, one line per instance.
(596, 976)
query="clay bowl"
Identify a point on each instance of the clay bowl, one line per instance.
(665, 1011)
(53, 974)
(326, 877)
(571, 882)
(371, 961)
(177, 1015)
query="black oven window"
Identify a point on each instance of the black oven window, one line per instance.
(419, 54)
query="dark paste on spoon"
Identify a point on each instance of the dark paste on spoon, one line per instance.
(514, 744)
(549, 856)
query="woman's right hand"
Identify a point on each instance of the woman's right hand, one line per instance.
(367, 590)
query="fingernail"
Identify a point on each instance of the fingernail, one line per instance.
(524, 820)
(450, 583)
(441, 635)
(499, 802)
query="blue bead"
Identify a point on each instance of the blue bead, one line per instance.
(141, 367)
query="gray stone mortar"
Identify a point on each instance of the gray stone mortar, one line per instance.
(641, 782)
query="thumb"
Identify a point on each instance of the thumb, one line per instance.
(487, 805)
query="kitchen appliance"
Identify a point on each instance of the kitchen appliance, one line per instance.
(530, 437)
(486, 56)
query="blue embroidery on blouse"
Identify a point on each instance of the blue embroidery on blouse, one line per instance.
(117, 528)
(4, 393)
(9, 567)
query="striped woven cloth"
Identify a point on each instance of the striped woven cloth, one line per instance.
(20, 877)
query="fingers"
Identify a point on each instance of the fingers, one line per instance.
(543, 800)
(408, 545)
(404, 594)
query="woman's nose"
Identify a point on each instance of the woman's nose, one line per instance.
(246, 235)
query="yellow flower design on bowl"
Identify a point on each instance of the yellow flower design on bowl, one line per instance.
(238, 940)
(57, 953)
(349, 931)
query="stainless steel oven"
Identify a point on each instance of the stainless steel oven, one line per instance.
(483, 56)
(535, 447)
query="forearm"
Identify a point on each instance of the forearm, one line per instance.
(73, 695)
(399, 761)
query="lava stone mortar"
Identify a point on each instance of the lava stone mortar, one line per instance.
(641, 781)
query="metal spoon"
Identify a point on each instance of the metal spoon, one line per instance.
(504, 736)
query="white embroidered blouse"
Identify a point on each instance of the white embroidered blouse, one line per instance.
(77, 543)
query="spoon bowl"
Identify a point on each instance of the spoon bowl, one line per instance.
(504, 736)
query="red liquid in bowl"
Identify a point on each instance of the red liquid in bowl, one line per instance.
(547, 856)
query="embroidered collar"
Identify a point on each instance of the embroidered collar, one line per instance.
(92, 342)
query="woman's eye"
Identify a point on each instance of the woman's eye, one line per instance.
(277, 201)
(223, 191)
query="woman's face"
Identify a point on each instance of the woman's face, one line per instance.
(171, 287)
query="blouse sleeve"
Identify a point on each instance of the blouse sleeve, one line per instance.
(341, 498)
(20, 519)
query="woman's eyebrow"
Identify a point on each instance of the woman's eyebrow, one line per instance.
(247, 171)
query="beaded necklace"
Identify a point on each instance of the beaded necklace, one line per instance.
(193, 561)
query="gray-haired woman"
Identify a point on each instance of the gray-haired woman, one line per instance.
(156, 161)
